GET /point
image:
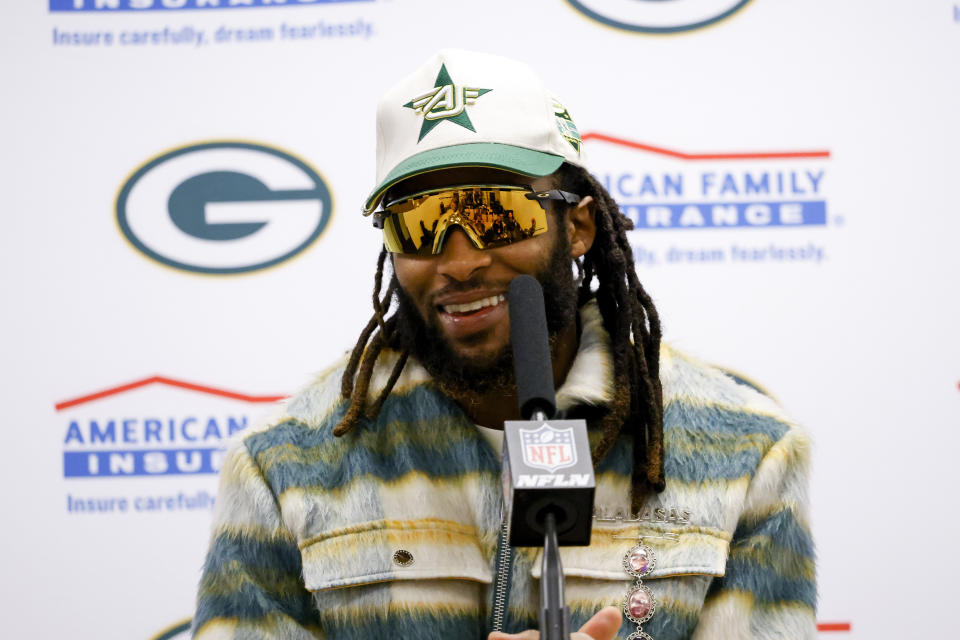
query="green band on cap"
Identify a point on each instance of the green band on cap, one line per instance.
(478, 154)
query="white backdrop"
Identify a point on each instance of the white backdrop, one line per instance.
(122, 374)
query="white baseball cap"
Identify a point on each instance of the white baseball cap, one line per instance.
(469, 109)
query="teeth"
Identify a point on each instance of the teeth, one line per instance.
(473, 306)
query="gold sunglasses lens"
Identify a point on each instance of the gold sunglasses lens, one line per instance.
(393, 236)
(490, 216)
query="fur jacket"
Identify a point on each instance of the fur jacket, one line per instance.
(391, 531)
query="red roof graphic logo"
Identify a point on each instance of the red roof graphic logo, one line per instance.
(731, 155)
(170, 382)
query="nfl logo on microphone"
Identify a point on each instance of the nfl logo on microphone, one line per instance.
(547, 466)
(548, 448)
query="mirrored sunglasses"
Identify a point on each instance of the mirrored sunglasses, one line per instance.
(490, 215)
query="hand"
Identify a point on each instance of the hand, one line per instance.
(602, 626)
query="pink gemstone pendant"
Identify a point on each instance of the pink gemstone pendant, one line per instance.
(640, 604)
(639, 560)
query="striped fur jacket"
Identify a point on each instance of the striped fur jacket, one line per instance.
(308, 526)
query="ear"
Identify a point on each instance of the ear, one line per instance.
(581, 226)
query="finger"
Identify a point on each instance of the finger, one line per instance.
(603, 625)
(529, 634)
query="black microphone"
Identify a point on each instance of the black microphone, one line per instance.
(547, 466)
(531, 348)
(548, 481)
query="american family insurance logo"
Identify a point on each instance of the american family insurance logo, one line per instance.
(157, 426)
(667, 189)
(223, 207)
(63, 6)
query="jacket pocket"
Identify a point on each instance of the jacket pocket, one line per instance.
(398, 579)
(386, 551)
(678, 550)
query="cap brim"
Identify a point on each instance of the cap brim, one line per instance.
(477, 154)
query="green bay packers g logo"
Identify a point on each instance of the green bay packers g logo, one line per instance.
(658, 16)
(223, 207)
(446, 101)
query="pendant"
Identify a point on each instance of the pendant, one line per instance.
(639, 603)
(639, 560)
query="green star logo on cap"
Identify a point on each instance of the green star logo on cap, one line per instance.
(447, 101)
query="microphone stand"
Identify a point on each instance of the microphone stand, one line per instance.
(554, 613)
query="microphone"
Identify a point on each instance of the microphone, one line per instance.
(531, 348)
(547, 468)
(548, 481)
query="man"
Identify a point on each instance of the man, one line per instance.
(371, 508)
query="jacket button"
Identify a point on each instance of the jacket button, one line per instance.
(403, 558)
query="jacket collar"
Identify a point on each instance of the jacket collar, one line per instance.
(590, 379)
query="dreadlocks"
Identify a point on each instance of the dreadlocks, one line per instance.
(629, 317)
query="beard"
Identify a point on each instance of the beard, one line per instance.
(468, 378)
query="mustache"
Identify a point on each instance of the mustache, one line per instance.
(472, 284)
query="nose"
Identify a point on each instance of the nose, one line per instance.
(459, 259)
